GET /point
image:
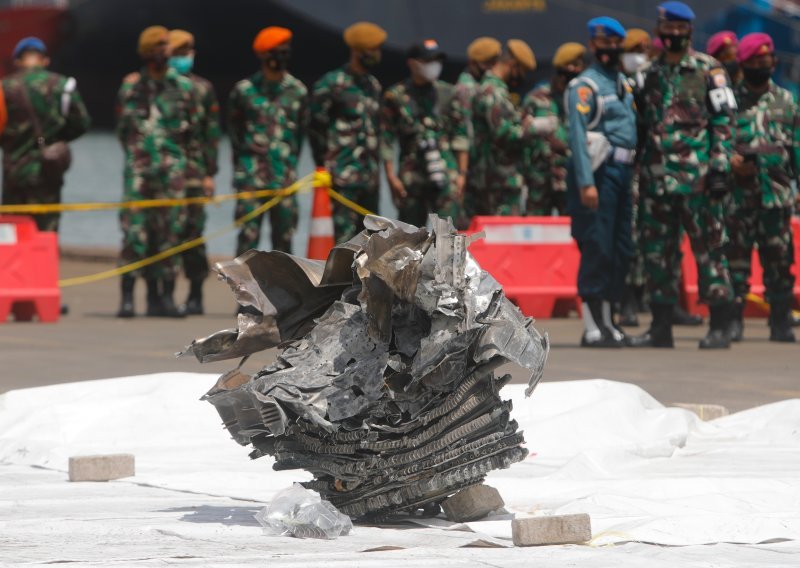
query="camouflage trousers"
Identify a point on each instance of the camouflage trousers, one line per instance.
(195, 260)
(542, 200)
(770, 229)
(146, 232)
(426, 198)
(636, 269)
(34, 195)
(501, 201)
(282, 220)
(701, 217)
(346, 222)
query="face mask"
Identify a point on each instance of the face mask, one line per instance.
(182, 63)
(514, 81)
(370, 59)
(757, 75)
(278, 60)
(608, 57)
(568, 75)
(430, 71)
(732, 67)
(632, 62)
(675, 43)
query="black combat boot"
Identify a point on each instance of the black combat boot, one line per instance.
(170, 310)
(628, 316)
(595, 333)
(194, 303)
(660, 332)
(737, 321)
(126, 305)
(718, 336)
(154, 307)
(780, 323)
(682, 317)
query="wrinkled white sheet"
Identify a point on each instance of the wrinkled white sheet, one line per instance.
(646, 474)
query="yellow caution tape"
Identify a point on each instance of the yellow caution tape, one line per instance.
(348, 203)
(762, 304)
(44, 208)
(295, 187)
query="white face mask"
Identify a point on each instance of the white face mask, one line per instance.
(632, 62)
(430, 71)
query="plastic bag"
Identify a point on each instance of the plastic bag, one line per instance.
(298, 512)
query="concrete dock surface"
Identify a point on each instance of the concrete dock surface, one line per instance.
(91, 343)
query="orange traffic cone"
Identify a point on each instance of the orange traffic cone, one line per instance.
(320, 235)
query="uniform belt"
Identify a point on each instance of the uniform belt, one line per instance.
(623, 155)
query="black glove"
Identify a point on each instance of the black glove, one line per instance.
(717, 184)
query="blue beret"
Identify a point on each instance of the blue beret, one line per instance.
(605, 27)
(29, 43)
(675, 11)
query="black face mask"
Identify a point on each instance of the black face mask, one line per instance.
(608, 56)
(732, 68)
(514, 81)
(676, 43)
(757, 76)
(568, 75)
(278, 61)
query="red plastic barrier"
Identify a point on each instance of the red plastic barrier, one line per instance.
(534, 258)
(28, 271)
(689, 278)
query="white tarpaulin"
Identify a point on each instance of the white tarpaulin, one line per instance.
(647, 476)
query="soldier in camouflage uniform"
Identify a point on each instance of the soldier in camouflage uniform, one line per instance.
(685, 120)
(344, 127)
(766, 161)
(545, 165)
(157, 120)
(423, 115)
(267, 118)
(61, 116)
(501, 133)
(202, 166)
(482, 54)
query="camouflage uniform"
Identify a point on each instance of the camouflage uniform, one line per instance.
(499, 141)
(157, 121)
(266, 121)
(345, 139)
(466, 88)
(545, 160)
(413, 114)
(202, 163)
(62, 117)
(767, 131)
(683, 139)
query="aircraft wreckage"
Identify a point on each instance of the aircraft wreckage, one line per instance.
(385, 387)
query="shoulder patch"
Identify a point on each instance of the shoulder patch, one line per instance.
(584, 93)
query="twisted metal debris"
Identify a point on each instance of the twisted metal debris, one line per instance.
(385, 389)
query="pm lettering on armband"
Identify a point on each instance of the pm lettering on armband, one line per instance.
(722, 100)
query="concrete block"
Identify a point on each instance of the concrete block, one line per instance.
(561, 529)
(472, 503)
(101, 468)
(705, 411)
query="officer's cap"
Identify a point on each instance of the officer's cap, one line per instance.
(150, 38)
(270, 38)
(29, 44)
(484, 49)
(605, 27)
(568, 53)
(180, 38)
(364, 36)
(675, 12)
(427, 50)
(754, 44)
(522, 52)
(636, 37)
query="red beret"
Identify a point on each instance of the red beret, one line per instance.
(719, 41)
(270, 38)
(754, 44)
